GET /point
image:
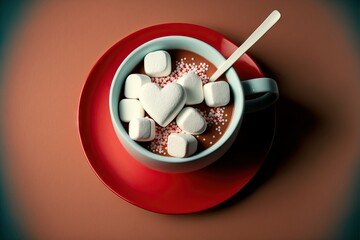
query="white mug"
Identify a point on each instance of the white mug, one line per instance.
(239, 90)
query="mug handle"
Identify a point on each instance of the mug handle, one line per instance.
(268, 89)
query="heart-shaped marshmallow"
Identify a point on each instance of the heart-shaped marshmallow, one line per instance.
(162, 104)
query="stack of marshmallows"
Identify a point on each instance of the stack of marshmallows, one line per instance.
(163, 105)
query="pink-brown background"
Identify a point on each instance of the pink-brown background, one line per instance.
(306, 185)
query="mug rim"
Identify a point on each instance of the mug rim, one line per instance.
(167, 43)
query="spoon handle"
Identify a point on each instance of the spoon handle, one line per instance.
(251, 40)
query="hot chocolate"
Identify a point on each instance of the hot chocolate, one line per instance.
(217, 118)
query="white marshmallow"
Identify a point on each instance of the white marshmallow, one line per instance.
(191, 121)
(142, 129)
(192, 84)
(129, 109)
(181, 145)
(157, 64)
(133, 84)
(217, 94)
(162, 104)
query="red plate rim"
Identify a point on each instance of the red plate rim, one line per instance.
(130, 42)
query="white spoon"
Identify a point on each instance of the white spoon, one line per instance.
(252, 39)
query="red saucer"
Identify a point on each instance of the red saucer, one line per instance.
(157, 191)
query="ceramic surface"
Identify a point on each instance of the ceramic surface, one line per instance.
(154, 190)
